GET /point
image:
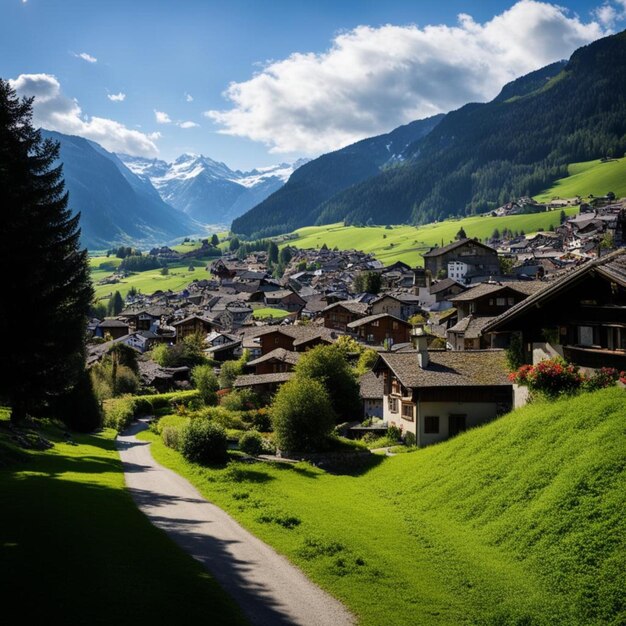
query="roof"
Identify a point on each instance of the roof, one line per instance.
(193, 317)
(111, 323)
(471, 326)
(371, 386)
(466, 368)
(485, 289)
(406, 298)
(302, 334)
(353, 306)
(445, 283)
(611, 266)
(372, 318)
(251, 380)
(433, 252)
(279, 354)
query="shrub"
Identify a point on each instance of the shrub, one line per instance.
(240, 400)
(604, 377)
(409, 439)
(302, 415)
(171, 437)
(125, 380)
(143, 406)
(202, 441)
(394, 433)
(79, 408)
(119, 412)
(261, 420)
(251, 443)
(550, 377)
(206, 383)
(231, 369)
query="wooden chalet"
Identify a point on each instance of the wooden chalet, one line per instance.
(381, 329)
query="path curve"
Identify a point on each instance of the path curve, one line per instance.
(270, 590)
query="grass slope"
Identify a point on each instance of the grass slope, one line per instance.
(518, 522)
(75, 549)
(407, 243)
(590, 177)
(268, 311)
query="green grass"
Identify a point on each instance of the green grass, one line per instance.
(263, 312)
(187, 246)
(590, 177)
(74, 548)
(150, 281)
(408, 243)
(518, 522)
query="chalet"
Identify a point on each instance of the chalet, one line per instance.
(142, 340)
(294, 338)
(194, 324)
(381, 329)
(112, 329)
(580, 315)
(221, 346)
(371, 393)
(436, 395)
(482, 260)
(340, 314)
(278, 360)
(402, 305)
(436, 296)
(235, 315)
(262, 384)
(284, 299)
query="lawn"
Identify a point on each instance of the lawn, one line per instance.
(152, 280)
(264, 312)
(590, 177)
(408, 243)
(75, 549)
(517, 522)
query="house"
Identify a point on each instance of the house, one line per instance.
(482, 260)
(142, 340)
(436, 296)
(371, 393)
(436, 395)
(192, 325)
(381, 329)
(278, 360)
(340, 314)
(402, 305)
(284, 299)
(294, 338)
(262, 384)
(580, 315)
(112, 329)
(235, 315)
(221, 346)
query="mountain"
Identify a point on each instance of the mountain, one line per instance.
(294, 204)
(482, 155)
(116, 205)
(207, 190)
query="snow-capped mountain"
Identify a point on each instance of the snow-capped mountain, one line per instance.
(207, 190)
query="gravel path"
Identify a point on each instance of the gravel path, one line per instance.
(269, 589)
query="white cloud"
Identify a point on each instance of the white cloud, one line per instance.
(86, 57)
(608, 14)
(161, 117)
(188, 97)
(55, 111)
(116, 97)
(373, 79)
(187, 124)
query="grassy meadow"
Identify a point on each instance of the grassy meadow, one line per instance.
(408, 243)
(590, 177)
(517, 522)
(268, 311)
(72, 540)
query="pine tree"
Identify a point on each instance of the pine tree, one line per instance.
(116, 304)
(461, 234)
(272, 252)
(215, 240)
(49, 297)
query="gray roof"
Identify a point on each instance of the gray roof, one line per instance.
(468, 368)
(111, 323)
(471, 326)
(372, 318)
(251, 380)
(279, 354)
(455, 244)
(359, 308)
(443, 284)
(371, 386)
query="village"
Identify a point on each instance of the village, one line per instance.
(440, 336)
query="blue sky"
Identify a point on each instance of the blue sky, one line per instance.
(256, 83)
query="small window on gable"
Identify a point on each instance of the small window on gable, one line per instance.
(431, 425)
(500, 301)
(511, 301)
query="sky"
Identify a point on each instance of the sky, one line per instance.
(257, 83)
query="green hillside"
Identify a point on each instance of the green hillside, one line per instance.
(590, 177)
(517, 522)
(407, 243)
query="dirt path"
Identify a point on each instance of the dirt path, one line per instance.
(269, 589)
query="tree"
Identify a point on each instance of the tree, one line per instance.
(328, 365)
(562, 217)
(285, 256)
(41, 238)
(495, 234)
(461, 234)
(231, 369)
(234, 244)
(272, 252)
(116, 304)
(215, 240)
(302, 415)
(205, 382)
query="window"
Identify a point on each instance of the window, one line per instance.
(275, 339)
(393, 405)
(511, 301)
(585, 335)
(500, 301)
(431, 425)
(490, 301)
(375, 323)
(407, 412)
(394, 325)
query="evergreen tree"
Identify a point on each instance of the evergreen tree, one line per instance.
(461, 234)
(234, 244)
(563, 217)
(53, 287)
(215, 240)
(286, 255)
(116, 304)
(272, 252)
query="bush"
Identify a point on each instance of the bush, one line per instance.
(604, 377)
(302, 415)
(206, 383)
(204, 442)
(409, 439)
(240, 400)
(119, 412)
(550, 377)
(171, 437)
(125, 380)
(251, 443)
(79, 409)
(394, 433)
(261, 420)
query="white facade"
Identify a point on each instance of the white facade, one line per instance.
(457, 270)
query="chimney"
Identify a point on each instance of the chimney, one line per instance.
(420, 343)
